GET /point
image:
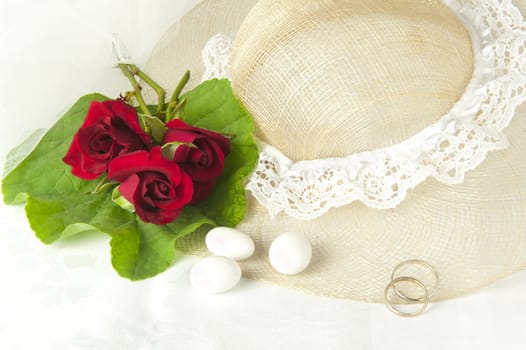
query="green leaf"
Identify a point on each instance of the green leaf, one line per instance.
(43, 170)
(56, 199)
(60, 205)
(138, 252)
(155, 125)
(213, 106)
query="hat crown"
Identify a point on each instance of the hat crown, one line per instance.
(329, 78)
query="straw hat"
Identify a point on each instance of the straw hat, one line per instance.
(333, 78)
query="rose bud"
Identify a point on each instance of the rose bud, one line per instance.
(111, 128)
(157, 187)
(200, 153)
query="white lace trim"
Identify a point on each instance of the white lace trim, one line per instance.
(457, 143)
(216, 56)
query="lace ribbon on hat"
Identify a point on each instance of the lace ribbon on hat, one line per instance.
(216, 56)
(456, 144)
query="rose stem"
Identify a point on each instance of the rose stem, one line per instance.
(175, 96)
(161, 94)
(138, 96)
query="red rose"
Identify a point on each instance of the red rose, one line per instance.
(157, 187)
(111, 129)
(201, 154)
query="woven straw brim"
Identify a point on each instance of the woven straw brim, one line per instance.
(473, 234)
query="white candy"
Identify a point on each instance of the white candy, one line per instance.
(215, 274)
(233, 244)
(290, 253)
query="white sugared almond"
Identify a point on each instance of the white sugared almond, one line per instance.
(229, 242)
(290, 253)
(215, 274)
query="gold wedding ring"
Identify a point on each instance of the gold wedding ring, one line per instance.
(407, 300)
(425, 266)
(424, 300)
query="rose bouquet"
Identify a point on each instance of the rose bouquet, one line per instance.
(146, 175)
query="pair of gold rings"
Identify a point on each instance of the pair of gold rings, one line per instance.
(423, 297)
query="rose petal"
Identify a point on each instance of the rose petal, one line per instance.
(95, 144)
(215, 163)
(197, 157)
(158, 188)
(97, 111)
(139, 161)
(159, 217)
(127, 140)
(181, 153)
(125, 112)
(182, 195)
(147, 178)
(129, 186)
(223, 142)
(73, 158)
(128, 115)
(123, 166)
(90, 166)
(186, 188)
(177, 135)
(161, 190)
(158, 163)
(207, 161)
(85, 137)
(202, 190)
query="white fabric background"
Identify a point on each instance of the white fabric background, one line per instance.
(66, 296)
